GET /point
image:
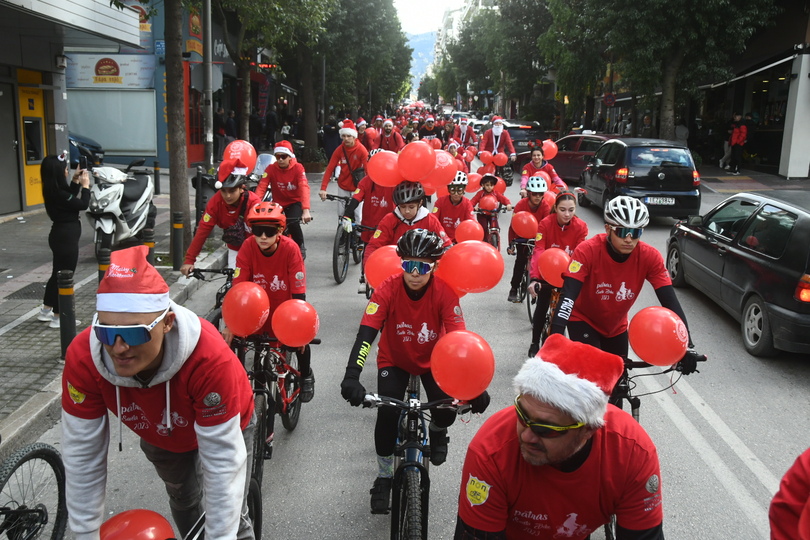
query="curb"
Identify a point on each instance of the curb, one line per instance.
(42, 411)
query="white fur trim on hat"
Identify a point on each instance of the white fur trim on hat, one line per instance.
(131, 303)
(131, 284)
(388, 123)
(347, 131)
(430, 119)
(279, 149)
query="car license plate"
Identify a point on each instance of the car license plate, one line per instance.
(522, 143)
(669, 201)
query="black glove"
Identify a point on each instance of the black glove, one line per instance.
(688, 363)
(351, 389)
(480, 404)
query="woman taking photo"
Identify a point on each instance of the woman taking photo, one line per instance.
(64, 199)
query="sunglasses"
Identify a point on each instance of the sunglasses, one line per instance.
(132, 335)
(544, 431)
(456, 189)
(622, 232)
(267, 230)
(421, 267)
(282, 156)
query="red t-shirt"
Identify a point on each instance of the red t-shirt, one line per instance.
(377, 202)
(410, 328)
(541, 212)
(500, 491)
(530, 170)
(610, 288)
(358, 156)
(451, 215)
(281, 274)
(792, 499)
(391, 227)
(218, 213)
(466, 136)
(500, 197)
(393, 142)
(287, 185)
(551, 235)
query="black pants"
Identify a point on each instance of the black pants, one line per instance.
(64, 243)
(294, 213)
(585, 333)
(393, 382)
(521, 258)
(541, 309)
(736, 157)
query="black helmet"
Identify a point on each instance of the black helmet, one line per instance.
(420, 244)
(407, 192)
(234, 180)
(489, 178)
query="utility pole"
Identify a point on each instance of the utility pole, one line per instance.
(208, 95)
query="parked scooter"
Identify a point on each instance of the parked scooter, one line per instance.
(121, 205)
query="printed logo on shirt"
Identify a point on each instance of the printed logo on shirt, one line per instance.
(278, 284)
(425, 334)
(571, 529)
(538, 237)
(574, 266)
(435, 209)
(356, 191)
(653, 484)
(457, 311)
(75, 395)
(371, 308)
(377, 233)
(299, 276)
(206, 217)
(212, 399)
(624, 293)
(236, 272)
(477, 491)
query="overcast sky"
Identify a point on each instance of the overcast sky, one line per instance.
(420, 16)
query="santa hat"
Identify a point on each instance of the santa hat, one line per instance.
(378, 117)
(284, 147)
(497, 119)
(430, 119)
(361, 122)
(573, 377)
(131, 284)
(453, 142)
(463, 120)
(388, 122)
(347, 128)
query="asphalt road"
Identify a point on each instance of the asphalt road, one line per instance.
(725, 436)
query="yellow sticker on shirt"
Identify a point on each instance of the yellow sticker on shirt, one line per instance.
(236, 272)
(75, 395)
(371, 308)
(206, 217)
(538, 237)
(377, 233)
(574, 266)
(477, 491)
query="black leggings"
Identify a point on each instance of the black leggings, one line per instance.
(585, 333)
(64, 243)
(294, 213)
(521, 258)
(393, 382)
(541, 309)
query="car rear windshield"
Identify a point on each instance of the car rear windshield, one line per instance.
(660, 157)
(530, 133)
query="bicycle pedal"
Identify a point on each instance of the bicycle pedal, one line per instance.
(361, 290)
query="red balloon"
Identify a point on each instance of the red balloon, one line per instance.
(441, 191)
(549, 149)
(473, 182)
(416, 160)
(383, 169)
(658, 336)
(485, 157)
(435, 143)
(460, 165)
(138, 524)
(469, 229)
(471, 266)
(524, 224)
(554, 188)
(500, 185)
(242, 151)
(545, 176)
(472, 149)
(382, 264)
(500, 159)
(488, 203)
(445, 169)
(469, 155)
(462, 363)
(429, 189)
(550, 198)
(371, 134)
(489, 168)
(245, 308)
(295, 323)
(551, 264)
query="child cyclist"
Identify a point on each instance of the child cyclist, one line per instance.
(536, 165)
(453, 208)
(412, 310)
(226, 209)
(488, 182)
(561, 229)
(273, 261)
(453, 147)
(536, 205)
(377, 201)
(410, 213)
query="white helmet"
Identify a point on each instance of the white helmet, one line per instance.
(460, 179)
(536, 184)
(624, 211)
(375, 151)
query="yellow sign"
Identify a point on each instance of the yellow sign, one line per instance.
(193, 45)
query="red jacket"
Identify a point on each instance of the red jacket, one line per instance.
(217, 213)
(391, 227)
(504, 143)
(469, 136)
(288, 185)
(358, 156)
(393, 142)
(739, 134)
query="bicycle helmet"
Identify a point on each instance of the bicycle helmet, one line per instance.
(375, 151)
(233, 180)
(420, 244)
(624, 211)
(536, 184)
(489, 178)
(407, 192)
(460, 179)
(267, 212)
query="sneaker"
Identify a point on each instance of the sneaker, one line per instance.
(735, 173)
(381, 495)
(308, 387)
(45, 315)
(512, 295)
(55, 321)
(533, 349)
(727, 167)
(721, 165)
(438, 446)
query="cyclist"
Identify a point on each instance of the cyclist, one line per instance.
(561, 461)
(497, 140)
(605, 277)
(349, 156)
(430, 131)
(454, 208)
(390, 138)
(288, 185)
(226, 209)
(453, 149)
(536, 165)
(464, 132)
(274, 262)
(412, 310)
(410, 213)
(377, 201)
(488, 182)
(561, 229)
(536, 205)
(168, 375)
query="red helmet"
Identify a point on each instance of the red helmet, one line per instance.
(137, 525)
(267, 212)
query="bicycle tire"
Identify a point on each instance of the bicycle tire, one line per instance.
(340, 255)
(610, 528)
(254, 504)
(357, 248)
(530, 301)
(215, 317)
(259, 436)
(292, 385)
(552, 305)
(410, 506)
(495, 240)
(32, 493)
(523, 288)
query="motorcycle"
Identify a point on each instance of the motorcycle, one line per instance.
(120, 205)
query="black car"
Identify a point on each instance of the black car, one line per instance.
(660, 173)
(84, 146)
(750, 254)
(521, 131)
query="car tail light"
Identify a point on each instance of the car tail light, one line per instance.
(802, 293)
(621, 175)
(695, 178)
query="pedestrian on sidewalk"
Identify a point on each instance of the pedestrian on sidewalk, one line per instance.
(64, 199)
(739, 136)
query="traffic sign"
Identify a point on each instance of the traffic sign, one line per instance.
(609, 99)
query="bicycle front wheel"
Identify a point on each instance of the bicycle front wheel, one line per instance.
(340, 255)
(411, 513)
(215, 317)
(292, 387)
(259, 436)
(357, 248)
(530, 301)
(495, 240)
(32, 494)
(254, 504)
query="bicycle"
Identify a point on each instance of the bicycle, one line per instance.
(32, 494)
(346, 243)
(411, 485)
(523, 289)
(493, 232)
(214, 316)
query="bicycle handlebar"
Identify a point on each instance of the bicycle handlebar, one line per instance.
(630, 364)
(373, 401)
(502, 209)
(198, 272)
(330, 197)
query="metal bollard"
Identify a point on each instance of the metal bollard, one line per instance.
(156, 174)
(177, 240)
(103, 262)
(67, 309)
(149, 241)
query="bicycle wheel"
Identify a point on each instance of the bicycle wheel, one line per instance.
(552, 305)
(259, 436)
(32, 494)
(530, 301)
(340, 255)
(410, 507)
(357, 248)
(215, 317)
(254, 504)
(610, 528)
(495, 240)
(292, 386)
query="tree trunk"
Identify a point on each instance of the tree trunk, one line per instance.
(308, 97)
(244, 113)
(670, 75)
(176, 116)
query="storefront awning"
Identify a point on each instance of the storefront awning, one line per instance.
(289, 89)
(749, 73)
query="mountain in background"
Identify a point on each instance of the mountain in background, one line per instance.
(422, 45)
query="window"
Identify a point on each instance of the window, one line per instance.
(590, 145)
(659, 157)
(728, 220)
(566, 145)
(32, 131)
(769, 231)
(610, 153)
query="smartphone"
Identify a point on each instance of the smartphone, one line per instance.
(82, 163)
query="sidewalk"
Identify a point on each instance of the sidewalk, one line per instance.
(718, 180)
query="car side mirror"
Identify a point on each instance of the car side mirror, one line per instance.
(695, 220)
